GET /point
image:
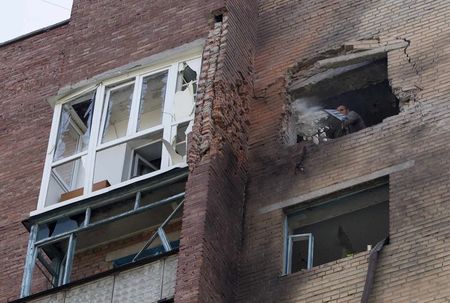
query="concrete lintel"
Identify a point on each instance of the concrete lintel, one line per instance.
(354, 58)
(337, 187)
(326, 75)
(167, 56)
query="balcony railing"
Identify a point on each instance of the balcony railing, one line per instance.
(150, 282)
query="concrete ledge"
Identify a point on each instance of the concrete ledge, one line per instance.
(192, 48)
(337, 187)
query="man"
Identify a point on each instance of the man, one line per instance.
(354, 122)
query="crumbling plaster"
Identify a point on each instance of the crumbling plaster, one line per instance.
(326, 65)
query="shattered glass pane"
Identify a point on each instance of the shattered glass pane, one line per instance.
(187, 73)
(152, 100)
(66, 180)
(70, 174)
(119, 100)
(180, 139)
(74, 127)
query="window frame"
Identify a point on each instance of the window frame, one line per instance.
(332, 202)
(295, 238)
(100, 108)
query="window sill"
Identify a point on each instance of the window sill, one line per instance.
(329, 266)
(104, 190)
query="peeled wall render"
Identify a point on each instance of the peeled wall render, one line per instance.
(245, 169)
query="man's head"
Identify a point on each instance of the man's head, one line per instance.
(343, 109)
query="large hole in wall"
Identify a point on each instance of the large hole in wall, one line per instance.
(362, 88)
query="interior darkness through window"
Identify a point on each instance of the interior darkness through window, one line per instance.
(339, 228)
(362, 88)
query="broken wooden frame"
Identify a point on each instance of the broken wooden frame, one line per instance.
(56, 251)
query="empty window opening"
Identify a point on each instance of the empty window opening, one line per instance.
(337, 227)
(218, 18)
(100, 237)
(342, 100)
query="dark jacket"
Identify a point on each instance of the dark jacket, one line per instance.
(354, 122)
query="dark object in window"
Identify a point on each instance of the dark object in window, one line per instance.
(337, 228)
(362, 88)
(218, 18)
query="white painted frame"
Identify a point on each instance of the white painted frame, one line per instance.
(300, 237)
(136, 157)
(97, 128)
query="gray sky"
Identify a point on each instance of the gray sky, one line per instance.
(19, 17)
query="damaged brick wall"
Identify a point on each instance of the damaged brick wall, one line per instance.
(414, 267)
(213, 213)
(101, 35)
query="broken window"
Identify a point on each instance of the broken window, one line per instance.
(338, 226)
(68, 162)
(341, 97)
(136, 127)
(152, 100)
(89, 238)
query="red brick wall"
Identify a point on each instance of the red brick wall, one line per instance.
(213, 214)
(415, 266)
(93, 261)
(101, 35)
(106, 34)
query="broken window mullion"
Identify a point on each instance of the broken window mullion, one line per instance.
(67, 234)
(135, 103)
(49, 156)
(168, 113)
(172, 214)
(90, 160)
(157, 233)
(149, 242)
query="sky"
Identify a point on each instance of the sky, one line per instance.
(19, 17)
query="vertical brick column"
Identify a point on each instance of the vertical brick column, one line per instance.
(213, 210)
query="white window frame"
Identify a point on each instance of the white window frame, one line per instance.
(101, 104)
(134, 158)
(290, 242)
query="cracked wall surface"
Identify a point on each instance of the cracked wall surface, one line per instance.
(296, 34)
(215, 192)
(101, 36)
(243, 157)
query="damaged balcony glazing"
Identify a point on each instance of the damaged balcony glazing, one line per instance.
(124, 226)
(120, 129)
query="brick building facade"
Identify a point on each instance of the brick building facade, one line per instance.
(249, 174)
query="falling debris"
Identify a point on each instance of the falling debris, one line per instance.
(310, 121)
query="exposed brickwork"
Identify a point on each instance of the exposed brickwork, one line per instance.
(414, 267)
(230, 252)
(101, 35)
(212, 220)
